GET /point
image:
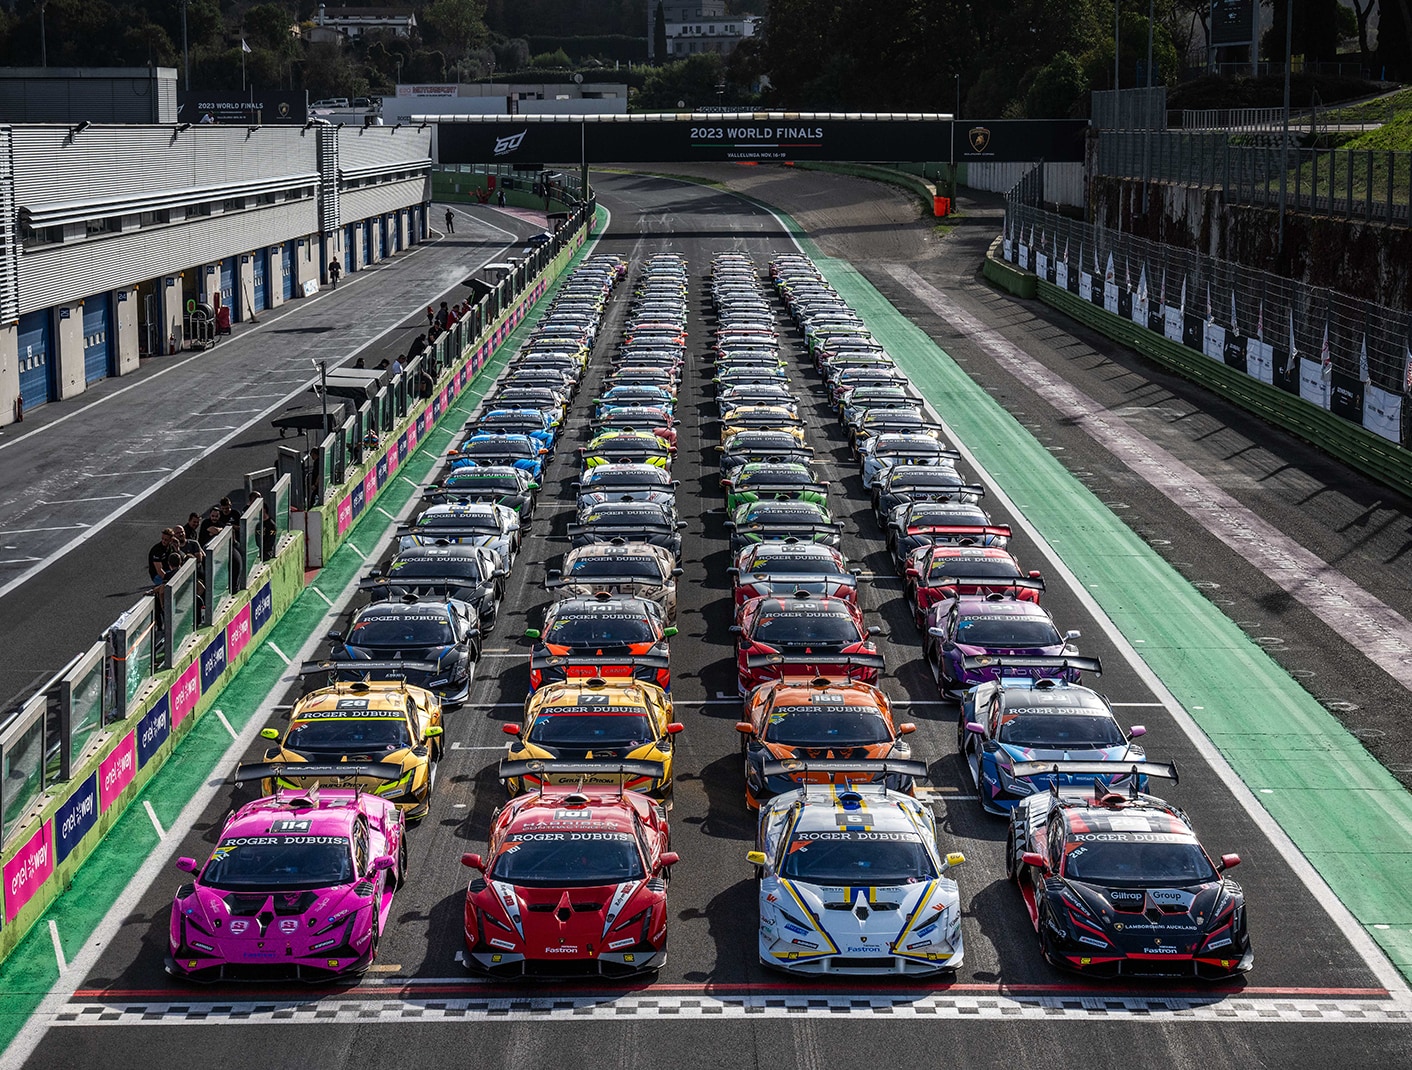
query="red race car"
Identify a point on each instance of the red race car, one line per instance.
(936, 572)
(803, 635)
(575, 880)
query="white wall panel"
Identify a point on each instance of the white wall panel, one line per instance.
(49, 275)
(1063, 182)
(364, 147)
(375, 200)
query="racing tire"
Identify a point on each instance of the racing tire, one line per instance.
(401, 876)
(1012, 869)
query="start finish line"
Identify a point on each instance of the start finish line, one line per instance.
(735, 137)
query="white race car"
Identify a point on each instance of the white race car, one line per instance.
(851, 881)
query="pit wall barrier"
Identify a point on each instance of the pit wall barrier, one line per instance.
(330, 523)
(40, 861)
(68, 822)
(1370, 453)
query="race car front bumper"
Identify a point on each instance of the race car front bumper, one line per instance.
(610, 964)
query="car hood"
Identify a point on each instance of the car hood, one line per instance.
(881, 913)
(236, 919)
(572, 922)
(1147, 921)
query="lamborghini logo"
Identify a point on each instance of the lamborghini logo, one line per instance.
(979, 137)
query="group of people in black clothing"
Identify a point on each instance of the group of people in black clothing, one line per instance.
(177, 545)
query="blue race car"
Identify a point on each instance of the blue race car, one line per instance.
(1041, 718)
(518, 451)
(538, 425)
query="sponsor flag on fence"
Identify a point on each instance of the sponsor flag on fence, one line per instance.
(1235, 326)
(1260, 322)
(1210, 316)
(1182, 306)
(1326, 356)
(1162, 300)
(1108, 271)
(1363, 361)
(1142, 283)
(1407, 368)
(1066, 252)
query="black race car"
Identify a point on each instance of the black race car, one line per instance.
(1117, 884)
(648, 522)
(443, 634)
(474, 574)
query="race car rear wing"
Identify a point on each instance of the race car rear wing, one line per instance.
(1060, 664)
(603, 582)
(389, 585)
(437, 493)
(849, 661)
(780, 491)
(447, 531)
(590, 487)
(1017, 583)
(1114, 770)
(869, 767)
(938, 494)
(539, 769)
(784, 579)
(768, 527)
(334, 772)
(592, 661)
(368, 670)
(623, 530)
(999, 531)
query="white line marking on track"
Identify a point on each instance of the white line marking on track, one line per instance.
(58, 947)
(220, 716)
(384, 512)
(462, 746)
(152, 816)
(1140, 705)
(321, 594)
(278, 652)
(27, 531)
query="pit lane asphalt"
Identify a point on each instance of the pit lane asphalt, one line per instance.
(712, 897)
(72, 465)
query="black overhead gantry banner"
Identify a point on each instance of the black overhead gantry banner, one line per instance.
(744, 137)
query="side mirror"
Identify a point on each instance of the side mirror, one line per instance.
(667, 633)
(384, 862)
(730, 525)
(936, 632)
(975, 727)
(432, 732)
(1035, 575)
(745, 728)
(1072, 633)
(531, 485)
(553, 573)
(732, 571)
(187, 865)
(334, 637)
(1228, 862)
(675, 728)
(877, 630)
(670, 858)
(1137, 730)
(269, 733)
(755, 858)
(913, 573)
(533, 633)
(510, 729)
(1033, 858)
(954, 859)
(678, 572)
(681, 525)
(734, 629)
(473, 861)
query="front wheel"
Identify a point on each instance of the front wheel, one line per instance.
(1012, 869)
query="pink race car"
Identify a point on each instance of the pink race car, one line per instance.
(299, 886)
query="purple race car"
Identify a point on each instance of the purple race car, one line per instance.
(299, 886)
(970, 626)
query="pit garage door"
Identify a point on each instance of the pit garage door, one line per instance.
(230, 297)
(260, 264)
(286, 270)
(36, 350)
(96, 350)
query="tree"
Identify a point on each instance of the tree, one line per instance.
(692, 80)
(1362, 12)
(1058, 90)
(454, 26)
(659, 35)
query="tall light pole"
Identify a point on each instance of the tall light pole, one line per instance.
(185, 53)
(1117, 34)
(1149, 44)
(43, 43)
(1284, 144)
(955, 118)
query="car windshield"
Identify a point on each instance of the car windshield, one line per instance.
(777, 473)
(619, 477)
(858, 858)
(399, 630)
(805, 628)
(815, 726)
(1159, 860)
(992, 567)
(794, 565)
(595, 732)
(595, 628)
(370, 734)
(1061, 731)
(466, 568)
(278, 862)
(1006, 631)
(514, 423)
(645, 568)
(554, 859)
(498, 447)
(472, 479)
(460, 521)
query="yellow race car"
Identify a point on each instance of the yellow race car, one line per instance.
(627, 447)
(761, 418)
(384, 721)
(596, 718)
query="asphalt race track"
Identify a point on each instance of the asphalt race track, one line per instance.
(1313, 997)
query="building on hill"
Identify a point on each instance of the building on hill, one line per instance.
(347, 23)
(698, 26)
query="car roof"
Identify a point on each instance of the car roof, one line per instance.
(333, 814)
(1056, 698)
(1124, 821)
(987, 605)
(567, 696)
(547, 810)
(823, 693)
(400, 611)
(373, 696)
(592, 605)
